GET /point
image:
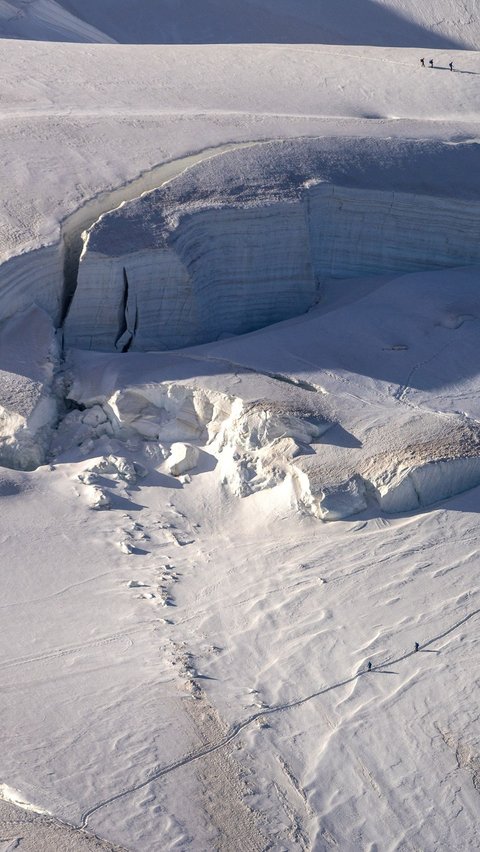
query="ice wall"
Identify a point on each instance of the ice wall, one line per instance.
(35, 277)
(235, 239)
(184, 277)
(369, 232)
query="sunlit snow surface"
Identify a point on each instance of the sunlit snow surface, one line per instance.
(219, 588)
(216, 541)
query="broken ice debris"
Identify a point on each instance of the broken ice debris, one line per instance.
(183, 457)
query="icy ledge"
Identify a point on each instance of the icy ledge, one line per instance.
(395, 485)
(245, 240)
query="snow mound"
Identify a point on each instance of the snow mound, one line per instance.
(78, 428)
(254, 425)
(96, 497)
(119, 468)
(29, 359)
(294, 436)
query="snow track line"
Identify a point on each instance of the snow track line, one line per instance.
(238, 727)
(402, 390)
(99, 642)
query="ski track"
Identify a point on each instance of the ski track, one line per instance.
(238, 727)
(58, 592)
(401, 393)
(75, 649)
(125, 112)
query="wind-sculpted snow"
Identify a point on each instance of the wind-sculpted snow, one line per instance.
(247, 240)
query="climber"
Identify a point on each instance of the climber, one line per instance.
(450, 65)
(417, 646)
(431, 63)
(422, 63)
(369, 667)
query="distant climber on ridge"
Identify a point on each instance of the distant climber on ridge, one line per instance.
(431, 63)
(422, 63)
(450, 65)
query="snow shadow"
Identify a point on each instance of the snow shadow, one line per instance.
(155, 479)
(364, 22)
(9, 486)
(117, 501)
(206, 463)
(455, 70)
(337, 436)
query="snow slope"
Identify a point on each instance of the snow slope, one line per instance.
(448, 24)
(216, 541)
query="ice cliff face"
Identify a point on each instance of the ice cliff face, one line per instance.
(246, 240)
(222, 272)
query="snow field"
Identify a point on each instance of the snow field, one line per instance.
(234, 589)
